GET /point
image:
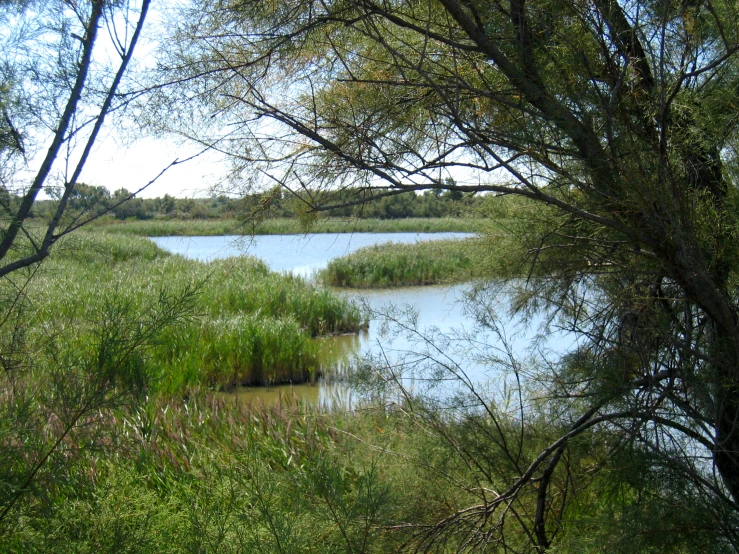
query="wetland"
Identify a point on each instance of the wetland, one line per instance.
(399, 318)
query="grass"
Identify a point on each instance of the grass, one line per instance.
(172, 227)
(507, 245)
(248, 325)
(205, 475)
(288, 226)
(400, 265)
(239, 350)
(191, 472)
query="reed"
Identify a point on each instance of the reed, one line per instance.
(249, 325)
(288, 226)
(173, 227)
(240, 350)
(398, 265)
(204, 475)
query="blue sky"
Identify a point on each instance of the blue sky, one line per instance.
(115, 165)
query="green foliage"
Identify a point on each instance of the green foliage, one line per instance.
(113, 321)
(503, 249)
(213, 476)
(397, 265)
(96, 201)
(66, 374)
(239, 350)
(252, 326)
(618, 118)
(263, 212)
(288, 226)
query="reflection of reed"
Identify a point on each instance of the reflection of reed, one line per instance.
(330, 392)
(269, 396)
(336, 353)
(327, 396)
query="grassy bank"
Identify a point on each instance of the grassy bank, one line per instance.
(285, 226)
(118, 464)
(399, 265)
(423, 263)
(208, 476)
(247, 324)
(203, 475)
(510, 244)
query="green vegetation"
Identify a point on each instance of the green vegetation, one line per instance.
(402, 265)
(508, 233)
(206, 475)
(272, 206)
(195, 471)
(287, 226)
(617, 120)
(171, 227)
(250, 326)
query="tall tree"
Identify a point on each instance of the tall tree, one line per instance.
(56, 93)
(56, 393)
(618, 117)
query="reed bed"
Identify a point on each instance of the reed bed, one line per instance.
(247, 325)
(240, 350)
(399, 265)
(204, 475)
(289, 226)
(173, 227)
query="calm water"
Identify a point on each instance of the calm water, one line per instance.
(402, 320)
(301, 254)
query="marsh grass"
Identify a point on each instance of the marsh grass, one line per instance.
(192, 472)
(205, 475)
(399, 265)
(248, 325)
(288, 226)
(239, 350)
(172, 227)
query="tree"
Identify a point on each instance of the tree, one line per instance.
(56, 391)
(51, 83)
(618, 118)
(90, 199)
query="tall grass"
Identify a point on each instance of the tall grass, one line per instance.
(173, 227)
(288, 226)
(398, 265)
(204, 476)
(239, 350)
(249, 325)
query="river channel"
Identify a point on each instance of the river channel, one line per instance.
(431, 330)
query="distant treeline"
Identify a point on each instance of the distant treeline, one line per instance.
(436, 203)
(95, 200)
(276, 203)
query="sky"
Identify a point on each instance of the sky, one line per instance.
(115, 165)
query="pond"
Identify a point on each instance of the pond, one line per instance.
(299, 254)
(459, 349)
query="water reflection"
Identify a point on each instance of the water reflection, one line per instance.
(300, 254)
(324, 394)
(426, 338)
(445, 341)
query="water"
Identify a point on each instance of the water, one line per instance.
(411, 329)
(427, 339)
(300, 254)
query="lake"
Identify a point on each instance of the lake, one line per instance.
(402, 319)
(299, 254)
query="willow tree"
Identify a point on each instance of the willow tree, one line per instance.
(618, 118)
